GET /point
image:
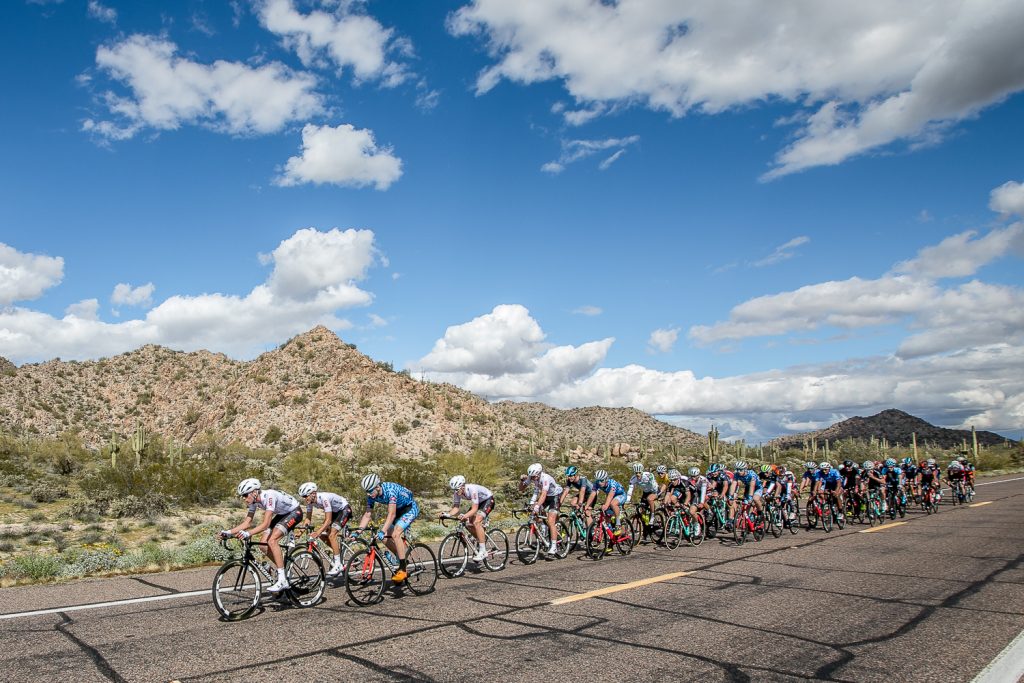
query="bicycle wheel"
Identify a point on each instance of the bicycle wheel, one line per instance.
(563, 540)
(527, 544)
(739, 529)
(305, 572)
(636, 524)
(697, 530)
(793, 520)
(497, 550)
(626, 538)
(826, 519)
(453, 555)
(350, 548)
(364, 578)
(236, 590)
(710, 523)
(775, 521)
(811, 516)
(597, 541)
(574, 532)
(840, 518)
(656, 530)
(421, 566)
(673, 532)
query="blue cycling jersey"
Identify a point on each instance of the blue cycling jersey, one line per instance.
(582, 483)
(892, 475)
(610, 486)
(830, 477)
(391, 493)
(748, 479)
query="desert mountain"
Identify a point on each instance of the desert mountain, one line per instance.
(897, 427)
(314, 388)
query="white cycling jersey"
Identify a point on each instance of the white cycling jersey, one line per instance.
(330, 503)
(645, 481)
(274, 502)
(546, 484)
(475, 493)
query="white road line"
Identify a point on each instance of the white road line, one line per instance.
(1007, 666)
(97, 605)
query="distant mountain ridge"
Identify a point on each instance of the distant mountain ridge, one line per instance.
(895, 426)
(314, 388)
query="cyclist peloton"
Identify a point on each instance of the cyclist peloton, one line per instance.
(401, 511)
(547, 494)
(482, 502)
(337, 512)
(281, 513)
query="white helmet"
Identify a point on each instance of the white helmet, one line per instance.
(600, 475)
(661, 469)
(955, 465)
(637, 468)
(307, 488)
(931, 461)
(370, 482)
(247, 486)
(825, 466)
(868, 464)
(740, 465)
(694, 472)
(674, 474)
(534, 470)
(457, 482)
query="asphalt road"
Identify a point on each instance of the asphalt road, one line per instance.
(934, 599)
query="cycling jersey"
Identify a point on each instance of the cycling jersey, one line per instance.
(750, 481)
(927, 475)
(611, 487)
(582, 483)
(809, 474)
(830, 479)
(872, 482)
(274, 502)
(545, 484)
(699, 485)
(892, 475)
(330, 503)
(645, 480)
(391, 494)
(954, 475)
(850, 476)
(911, 471)
(474, 493)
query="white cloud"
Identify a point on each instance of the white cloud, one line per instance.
(168, 91)
(575, 150)
(1008, 198)
(315, 275)
(963, 254)
(345, 38)
(125, 295)
(87, 309)
(874, 72)
(588, 310)
(662, 340)
(24, 277)
(611, 160)
(377, 321)
(341, 155)
(782, 252)
(101, 12)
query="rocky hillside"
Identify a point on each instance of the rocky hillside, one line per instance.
(313, 389)
(896, 427)
(596, 426)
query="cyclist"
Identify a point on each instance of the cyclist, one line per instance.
(677, 486)
(281, 513)
(968, 469)
(751, 485)
(874, 480)
(546, 495)
(850, 475)
(809, 476)
(402, 510)
(647, 484)
(928, 476)
(662, 477)
(616, 495)
(828, 481)
(583, 486)
(482, 502)
(911, 474)
(697, 491)
(956, 475)
(337, 512)
(893, 475)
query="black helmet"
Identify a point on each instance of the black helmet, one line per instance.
(847, 463)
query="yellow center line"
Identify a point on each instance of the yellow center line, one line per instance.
(620, 587)
(978, 505)
(884, 527)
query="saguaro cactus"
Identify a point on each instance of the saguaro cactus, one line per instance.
(139, 442)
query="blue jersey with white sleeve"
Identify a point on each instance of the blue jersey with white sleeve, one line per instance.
(391, 493)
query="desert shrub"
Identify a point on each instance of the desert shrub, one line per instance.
(86, 509)
(273, 435)
(47, 493)
(400, 428)
(35, 566)
(86, 561)
(137, 506)
(482, 466)
(312, 464)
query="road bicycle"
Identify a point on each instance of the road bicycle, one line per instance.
(318, 547)
(646, 525)
(773, 516)
(820, 511)
(533, 538)
(873, 507)
(791, 514)
(460, 545)
(238, 584)
(605, 533)
(576, 523)
(897, 500)
(368, 570)
(748, 522)
(930, 501)
(678, 524)
(958, 492)
(714, 516)
(855, 505)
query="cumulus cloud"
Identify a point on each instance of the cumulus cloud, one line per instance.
(1008, 198)
(168, 91)
(87, 309)
(345, 38)
(341, 155)
(315, 275)
(126, 295)
(24, 277)
(662, 340)
(101, 12)
(575, 150)
(870, 73)
(963, 254)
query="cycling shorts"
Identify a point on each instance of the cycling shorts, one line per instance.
(621, 498)
(405, 516)
(831, 485)
(550, 503)
(486, 506)
(286, 521)
(340, 518)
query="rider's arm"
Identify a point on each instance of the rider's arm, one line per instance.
(243, 526)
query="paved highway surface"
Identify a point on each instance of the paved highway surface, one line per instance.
(934, 599)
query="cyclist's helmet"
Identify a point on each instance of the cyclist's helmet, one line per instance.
(307, 488)
(572, 471)
(867, 464)
(534, 470)
(810, 465)
(661, 469)
(824, 466)
(847, 463)
(457, 482)
(931, 461)
(637, 468)
(765, 469)
(955, 465)
(674, 474)
(714, 469)
(962, 458)
(370, 482)
(694, 472)
(908, 461)
(247, 486)
(600, 475)
(890, 462)
(740, 465)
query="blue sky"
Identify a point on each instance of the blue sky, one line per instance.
(769, 224)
